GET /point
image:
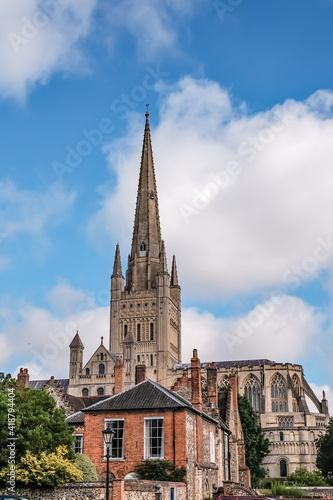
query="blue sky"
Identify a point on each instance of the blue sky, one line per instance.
(241, 103)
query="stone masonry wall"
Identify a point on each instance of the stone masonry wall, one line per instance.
(134, 490)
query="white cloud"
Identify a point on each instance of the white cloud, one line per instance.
(43, 336)
(40, 37)
(6, 347)
(262, 333)
(318, 390)
(29, 212)
(261, 223)
(152, 24)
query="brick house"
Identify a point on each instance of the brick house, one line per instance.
(152, 422)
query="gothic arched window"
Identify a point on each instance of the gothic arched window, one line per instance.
(101, 369)
(151, 331)
(143, 247)
(279, 394)
(101, 356)
(151, 360)
(100, 391)
(87, 371)
(125, 330)
(252, 392)
(85, 392)
(138, 332)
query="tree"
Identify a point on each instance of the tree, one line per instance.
(158, 470)
(256, 445)
(325, 452)
(303, 477)
(39, 426)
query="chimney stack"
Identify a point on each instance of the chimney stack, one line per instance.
(119, 376)
(140, 373)
(212, 385)
(23, 377)
(196, 381)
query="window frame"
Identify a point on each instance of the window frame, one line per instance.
(75, 443)
(150, 456)
(116, 420)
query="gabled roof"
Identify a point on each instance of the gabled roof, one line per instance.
(146, 395)
(105, 350)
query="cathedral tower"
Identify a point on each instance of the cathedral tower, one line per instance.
(147, 308)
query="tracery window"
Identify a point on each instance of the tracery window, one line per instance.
(286, 422)
(252, 392)
(279, 394)
(224, 382)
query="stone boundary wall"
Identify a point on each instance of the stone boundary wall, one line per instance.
(123, 490)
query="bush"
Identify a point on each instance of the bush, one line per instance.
(281, 490)
(302, 477)
(85, 465)
(53, 469)
(160, 470)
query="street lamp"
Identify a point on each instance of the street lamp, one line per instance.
(108, 435)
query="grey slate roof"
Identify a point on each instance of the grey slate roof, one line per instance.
(146, 395)
(39, 384)
(232, 364)
(76, 418)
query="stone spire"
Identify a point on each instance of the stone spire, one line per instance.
(76, 342)
(117, 264)
(174, 275)
(144, 261)
(147, 232)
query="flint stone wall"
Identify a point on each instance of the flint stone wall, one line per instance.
(134, 490)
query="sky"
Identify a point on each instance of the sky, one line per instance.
(241, 106)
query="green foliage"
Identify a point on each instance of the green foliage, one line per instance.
(160, 470)
(86, 466)
(256, 445)
(39, 425)
(325, 452)
(47, 469)
(302, 477)
(281, 490)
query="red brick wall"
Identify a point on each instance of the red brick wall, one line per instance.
(174, 439)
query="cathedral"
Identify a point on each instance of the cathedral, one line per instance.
(145, 329)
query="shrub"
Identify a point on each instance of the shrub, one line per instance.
(86, 466)
(52, 469)
(281, 490)
(302, 477)
(160, 470)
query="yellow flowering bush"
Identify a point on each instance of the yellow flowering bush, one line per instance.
(46, 469)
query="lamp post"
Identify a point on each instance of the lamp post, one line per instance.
(108, 435)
